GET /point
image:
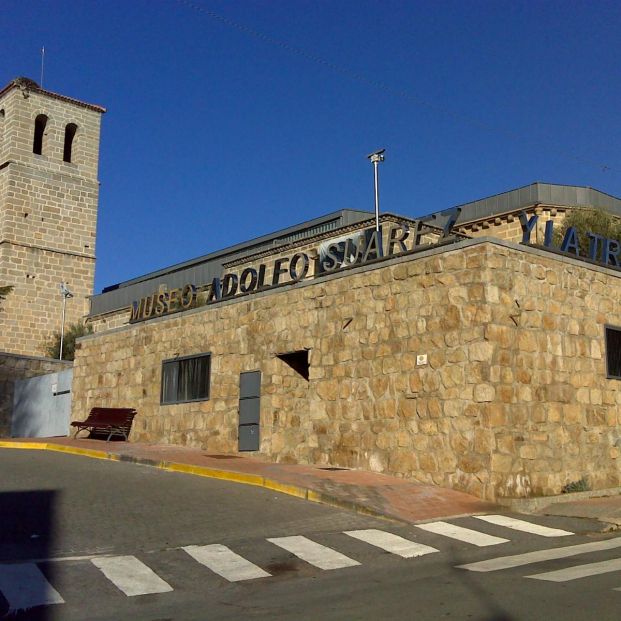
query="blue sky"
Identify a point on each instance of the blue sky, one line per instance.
(229, 120)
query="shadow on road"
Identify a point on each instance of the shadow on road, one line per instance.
(26, 536)
(494, 611)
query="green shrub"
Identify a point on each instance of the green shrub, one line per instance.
(588, 220)
(4, 291)
(72, 332)
(581, 485)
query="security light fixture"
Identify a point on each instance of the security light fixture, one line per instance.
(376, 157)
(64, 291)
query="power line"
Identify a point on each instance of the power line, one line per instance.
(378, 84)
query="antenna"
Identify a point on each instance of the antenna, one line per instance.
(42, 61)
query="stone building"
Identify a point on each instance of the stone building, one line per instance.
(484, 362)
(49, 154)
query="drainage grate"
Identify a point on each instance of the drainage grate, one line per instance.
(332, 468)
(222, 456)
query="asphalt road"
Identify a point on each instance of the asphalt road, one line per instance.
(103, 540)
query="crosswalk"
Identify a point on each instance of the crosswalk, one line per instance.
(24, 585)
(573, 572)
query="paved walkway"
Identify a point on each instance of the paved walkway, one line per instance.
(365, 492)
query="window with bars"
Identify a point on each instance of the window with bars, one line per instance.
(613, 352)
(185, 379)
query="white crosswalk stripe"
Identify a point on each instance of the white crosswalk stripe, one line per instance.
(314, 553)
(391, 543)
(224, 562)
(24, 586)
(579, 571)
(523, 525)
(539, 556)
(130, 575)
(462, 534)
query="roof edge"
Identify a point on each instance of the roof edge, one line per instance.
(28, 85)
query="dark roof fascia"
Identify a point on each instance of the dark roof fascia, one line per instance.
(31, 85)
(247, 245)
(343, 230)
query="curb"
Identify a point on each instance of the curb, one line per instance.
(211, 473)
(539, 503)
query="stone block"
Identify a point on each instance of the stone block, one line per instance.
(484, 392)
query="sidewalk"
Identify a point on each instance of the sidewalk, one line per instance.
(364, 492)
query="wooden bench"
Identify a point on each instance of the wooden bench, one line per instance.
(111, 421)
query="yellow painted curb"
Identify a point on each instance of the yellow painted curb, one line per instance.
(23, 445)
(74, 450)
(203, 471)
(61, 448)
(285, 488)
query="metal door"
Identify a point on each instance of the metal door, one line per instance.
(249, 410)
(42, 406)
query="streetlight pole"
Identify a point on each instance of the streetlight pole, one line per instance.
(66, 294)
(376, 157)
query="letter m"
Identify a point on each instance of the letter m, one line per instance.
(135, 310)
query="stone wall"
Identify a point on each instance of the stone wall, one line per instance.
(14, 367)
(512, 399)
(552, 411)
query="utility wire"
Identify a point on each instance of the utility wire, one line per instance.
(378, 84)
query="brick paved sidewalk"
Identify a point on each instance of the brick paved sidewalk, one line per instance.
(366, 492)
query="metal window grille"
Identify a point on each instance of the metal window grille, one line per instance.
(186, 379)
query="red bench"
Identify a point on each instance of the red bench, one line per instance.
(113, 421)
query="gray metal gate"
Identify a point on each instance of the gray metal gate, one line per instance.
(42, 406)
(249, 410)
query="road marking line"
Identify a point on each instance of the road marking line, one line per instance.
(391, 543)
(130, 575)
(314, 553)
(24, 586)
(579, 571)
(59, 559)
(224, 562)
(462, 534)
(539, 556)
(523, 525)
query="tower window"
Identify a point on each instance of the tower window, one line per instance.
(70, 131)
(40, 124)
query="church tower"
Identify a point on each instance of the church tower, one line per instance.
(49, 155)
